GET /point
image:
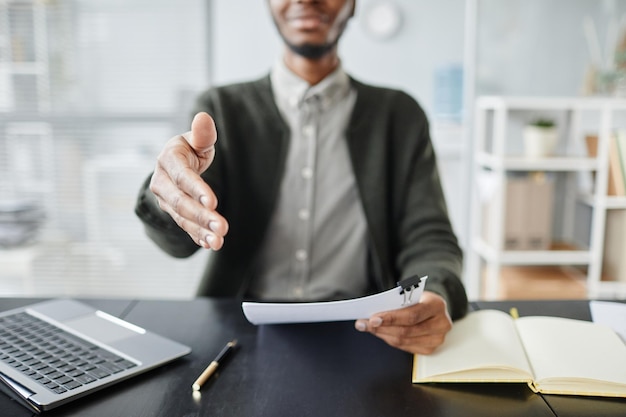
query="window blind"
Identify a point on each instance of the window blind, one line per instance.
(90, 90)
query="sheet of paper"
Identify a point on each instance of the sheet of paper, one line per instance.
(356, 308)
(610, 314)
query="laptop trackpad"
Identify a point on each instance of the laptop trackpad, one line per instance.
(104, 328)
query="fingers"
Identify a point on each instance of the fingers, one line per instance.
(181, 191)
(419, 328)
(197, 216)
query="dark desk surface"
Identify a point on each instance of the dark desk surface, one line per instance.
(301, 370)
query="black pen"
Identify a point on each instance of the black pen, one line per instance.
(213, 365)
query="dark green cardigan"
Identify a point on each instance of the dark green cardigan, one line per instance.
(397, 178)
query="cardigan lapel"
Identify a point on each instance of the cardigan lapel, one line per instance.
(274, 150)
(367, 147)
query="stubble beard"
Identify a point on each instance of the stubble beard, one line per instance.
(311, 51)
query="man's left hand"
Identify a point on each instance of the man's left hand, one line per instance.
(419, 328)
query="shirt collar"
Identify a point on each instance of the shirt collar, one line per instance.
(293, 91)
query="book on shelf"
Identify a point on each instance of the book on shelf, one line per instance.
(620, 144)
(614, 261)
(617, 179)
(552, 355)
(615, 169)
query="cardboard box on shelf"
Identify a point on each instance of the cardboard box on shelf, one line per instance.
(528, 210)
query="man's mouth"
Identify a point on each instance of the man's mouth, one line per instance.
(307, 21)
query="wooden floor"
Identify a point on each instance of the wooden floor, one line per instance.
(540, 282)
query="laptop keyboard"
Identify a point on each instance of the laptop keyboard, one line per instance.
(56, 359)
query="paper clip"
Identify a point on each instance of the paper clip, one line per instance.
(407, 285)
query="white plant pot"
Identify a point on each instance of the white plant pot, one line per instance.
(539, 142)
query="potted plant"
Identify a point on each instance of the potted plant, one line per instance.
(540, 138)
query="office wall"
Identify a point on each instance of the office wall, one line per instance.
(538, 47)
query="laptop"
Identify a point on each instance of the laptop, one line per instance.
(56, 351)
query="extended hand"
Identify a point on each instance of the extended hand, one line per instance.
(179, 189)
(419, 328)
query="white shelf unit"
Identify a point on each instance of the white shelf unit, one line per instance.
(492, 152)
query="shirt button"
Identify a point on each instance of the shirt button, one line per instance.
(303, 214)
(298, 292)
(301, 255)
(307, 173)
(308, 131)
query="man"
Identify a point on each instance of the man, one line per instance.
(327, 188)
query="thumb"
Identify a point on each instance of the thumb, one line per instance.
(203, 134)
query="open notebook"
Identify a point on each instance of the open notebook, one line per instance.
(552, 355)
(56, 351)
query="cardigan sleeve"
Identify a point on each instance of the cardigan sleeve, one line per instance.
(426, 243)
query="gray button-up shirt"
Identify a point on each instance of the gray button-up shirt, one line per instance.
(315, 247)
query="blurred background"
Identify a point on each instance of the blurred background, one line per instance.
(90, 90)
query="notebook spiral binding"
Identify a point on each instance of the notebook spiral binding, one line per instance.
(408, 285)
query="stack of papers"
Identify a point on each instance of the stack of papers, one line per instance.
(356, 308)
(610, 314)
